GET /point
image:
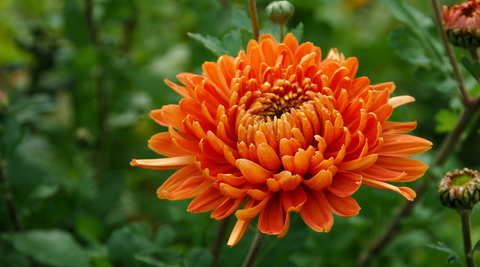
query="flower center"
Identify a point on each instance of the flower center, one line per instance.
(461, 180)
(278, 99)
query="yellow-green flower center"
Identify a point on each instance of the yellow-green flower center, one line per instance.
(461, 180)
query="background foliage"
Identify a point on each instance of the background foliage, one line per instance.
(77, 89)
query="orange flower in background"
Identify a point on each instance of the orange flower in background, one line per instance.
(280, 130)
(462, 24)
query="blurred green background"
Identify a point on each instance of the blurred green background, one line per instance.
(78, 79)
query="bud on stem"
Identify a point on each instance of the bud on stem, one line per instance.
(460, 189)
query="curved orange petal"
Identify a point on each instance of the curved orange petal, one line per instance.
(358, 164)
(227, 208)
(345, 184)
(400, 100)
(408, 193)
(318, 182)
(272, 217)
(163, 144)
(208, 200)
(164, 163)
(400, 145)
(253, 172)
(316, 214)
(342, 206)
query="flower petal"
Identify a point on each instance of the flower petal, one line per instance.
(345, 184)
(272, 218)
(408, 193)
(163, 163)
(342, 206)
(316, 214)
(253, 172)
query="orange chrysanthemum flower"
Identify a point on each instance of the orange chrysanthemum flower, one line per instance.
(280, 130)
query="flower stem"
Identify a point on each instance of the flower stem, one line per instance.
(467, 240)
(257, 243)
(10, 203)
(253, 16)
(282, 32)
(100, 84)
(466, 99)
(393, 228)
(219, 237)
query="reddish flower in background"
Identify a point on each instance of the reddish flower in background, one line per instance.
(281, 130)
(462, 24)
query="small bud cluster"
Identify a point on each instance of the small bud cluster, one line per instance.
(460, 189)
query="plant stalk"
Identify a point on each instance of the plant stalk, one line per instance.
(9, 201)
(466, 99)
(255, 249)
(219, 238)
(474, 54)
(254, 17)
(467, 239)
(282, 32)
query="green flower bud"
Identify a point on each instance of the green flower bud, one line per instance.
(280, 11)
(460, 189)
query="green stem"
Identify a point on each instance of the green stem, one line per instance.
(102, 96)
(253, 16)
(10, 203)
(467, 239)
(466, 99)
(257, 243)
(282, 32)
(219, 237)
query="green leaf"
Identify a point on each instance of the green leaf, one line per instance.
(408, 47)
(434, 78)
(53, 247)
(241, 19)
(453, 256)
(475, 248)
(472, 66)
(247, 35)
(199, 257)
(159, 258)
(408, 14)
(446, 121)
(298, 31)
(211, 43)
(165, 236)
(126, 241)
(233, 42)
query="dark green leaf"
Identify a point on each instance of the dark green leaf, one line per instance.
(165, 236)
(53, 247)
(199, 257)
(434, 78)
(472, 66)
(247, 35)
(211, 43)
(408, 47)
(159, 258)
(475, 248)
(233, 42)
(125, 242)
(240, 19)
(298, 32)
(453, 256)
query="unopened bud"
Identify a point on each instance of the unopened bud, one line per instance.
(460, 189)
(461, 23)
(280, 11)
